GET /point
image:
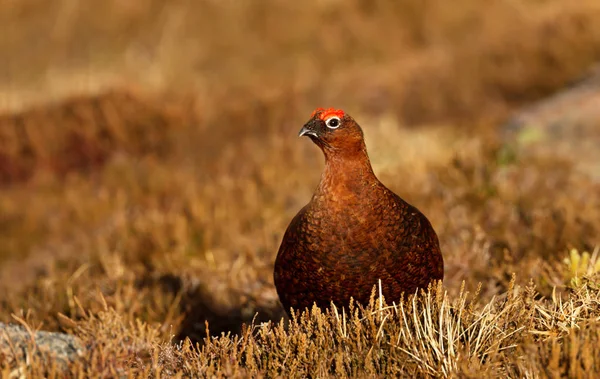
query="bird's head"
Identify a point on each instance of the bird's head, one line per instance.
(334, 131)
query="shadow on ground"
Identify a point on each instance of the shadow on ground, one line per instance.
(201, 309)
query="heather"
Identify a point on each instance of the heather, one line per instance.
(149, 165)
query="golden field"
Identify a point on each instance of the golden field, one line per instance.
(149, 165)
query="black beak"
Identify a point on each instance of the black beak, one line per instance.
(307, 132)
(309, 129)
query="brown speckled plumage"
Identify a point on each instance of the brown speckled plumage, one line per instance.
(354, 230)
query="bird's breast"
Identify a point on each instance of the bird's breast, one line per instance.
(348, 227)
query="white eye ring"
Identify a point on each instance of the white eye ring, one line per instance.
(335, 125)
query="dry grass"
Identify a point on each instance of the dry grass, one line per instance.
(431, 335)
(130, 216)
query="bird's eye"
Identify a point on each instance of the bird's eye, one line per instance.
(333, 123)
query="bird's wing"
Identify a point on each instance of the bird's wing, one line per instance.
(412, 245)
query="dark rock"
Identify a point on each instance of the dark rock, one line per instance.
(17, 344)
(565, 125)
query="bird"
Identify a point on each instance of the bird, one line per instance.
(355, 233)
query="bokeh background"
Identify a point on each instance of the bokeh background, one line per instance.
(149, 158)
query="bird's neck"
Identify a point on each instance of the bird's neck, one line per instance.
(348, 175)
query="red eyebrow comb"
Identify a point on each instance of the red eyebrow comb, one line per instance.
(326, 113)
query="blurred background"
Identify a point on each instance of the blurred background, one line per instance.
(149, 157)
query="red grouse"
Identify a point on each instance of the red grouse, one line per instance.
(354, 231)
